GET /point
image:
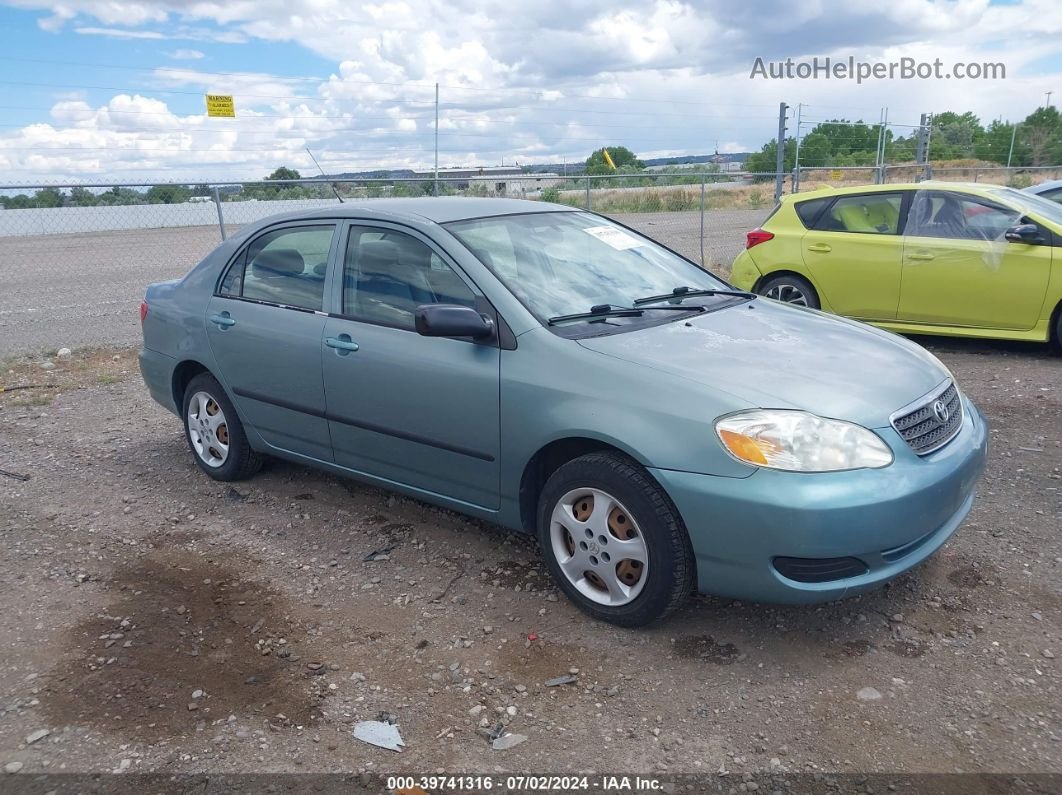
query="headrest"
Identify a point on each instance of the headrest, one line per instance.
(413, 252)
(377, 256)
(278, 262)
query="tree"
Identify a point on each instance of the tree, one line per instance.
(49, 197)
(623, 157)
(765, 161)
(1041, 132)
(285, 173)
(168, 194)
(82, 197)
(954, 135)
(994, 144)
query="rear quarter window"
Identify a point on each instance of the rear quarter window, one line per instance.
(809, 211)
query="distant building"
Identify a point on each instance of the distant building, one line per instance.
(495, 180)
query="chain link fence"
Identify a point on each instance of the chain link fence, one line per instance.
(74, 259)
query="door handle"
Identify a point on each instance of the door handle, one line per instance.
(821, 248)
(922, 255)
(343, 344)
(223, 320)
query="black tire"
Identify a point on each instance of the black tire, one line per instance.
(241, 461)
(1058, 330)
(791, 282)
(670, 575)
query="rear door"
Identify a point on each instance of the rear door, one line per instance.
(959, 270)
(265, 325)
(853, 251)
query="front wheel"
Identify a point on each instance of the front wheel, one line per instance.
(790, 289)
(613, 540)
(215, 433)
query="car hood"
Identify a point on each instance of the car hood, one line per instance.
(770, 355)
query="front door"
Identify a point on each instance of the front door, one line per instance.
(418, 411)
(265, 325)
(959, 270)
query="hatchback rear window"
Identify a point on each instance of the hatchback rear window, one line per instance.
(809, 211)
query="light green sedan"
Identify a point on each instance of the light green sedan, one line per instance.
(930, 258)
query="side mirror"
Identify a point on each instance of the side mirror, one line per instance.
(1024, 233)
(451, 320)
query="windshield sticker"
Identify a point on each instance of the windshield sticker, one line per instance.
(614, 237)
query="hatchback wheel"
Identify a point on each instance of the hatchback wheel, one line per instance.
(613, 540)
(790, 289)
(214, 432)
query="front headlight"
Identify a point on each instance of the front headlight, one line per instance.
(797, 441)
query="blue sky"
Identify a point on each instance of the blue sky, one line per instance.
(108, 89)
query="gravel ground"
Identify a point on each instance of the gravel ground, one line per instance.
(84, 289)
(154, 620)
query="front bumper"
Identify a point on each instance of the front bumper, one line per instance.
(891, 519)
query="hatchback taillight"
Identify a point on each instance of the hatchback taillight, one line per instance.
(143, 311)
(757, 236)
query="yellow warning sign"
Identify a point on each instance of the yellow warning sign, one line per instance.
(220, 105)
(835, 174)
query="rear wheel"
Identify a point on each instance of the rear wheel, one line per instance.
(215, 433)
(790, 289)
(613, 540)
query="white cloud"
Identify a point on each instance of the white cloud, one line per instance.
(120, 33)
(547, 79)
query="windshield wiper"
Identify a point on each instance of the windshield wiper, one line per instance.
(687, 292)
(613, 310)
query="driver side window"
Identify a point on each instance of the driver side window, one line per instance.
(388, 274)
(958, 217)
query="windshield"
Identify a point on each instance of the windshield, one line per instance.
(1030, 202)
(564, 263)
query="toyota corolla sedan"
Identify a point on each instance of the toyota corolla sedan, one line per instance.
(557, 373)
(933, 258)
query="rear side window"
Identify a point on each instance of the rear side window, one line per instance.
(809, 211)
(871, 214)
(285, 266)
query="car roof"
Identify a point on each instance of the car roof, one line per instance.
(439, 209)
(1051, 184)
(980, 189)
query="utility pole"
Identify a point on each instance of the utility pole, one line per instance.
(779, 177)
(1047, 104)
(883, 139)
(1013, 133)
(796, 160)
(436, 139)
(927, 172)
(920, 147)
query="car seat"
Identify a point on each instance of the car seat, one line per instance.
(277, 276)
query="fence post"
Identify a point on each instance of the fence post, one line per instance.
(702, 220)
(779, 176)
(588, 191)
(221, 216)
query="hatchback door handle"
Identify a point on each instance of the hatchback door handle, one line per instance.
(342, 344)
(922, 255)
(223, 320)
(822, 248)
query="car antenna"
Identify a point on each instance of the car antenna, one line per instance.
(314, 159)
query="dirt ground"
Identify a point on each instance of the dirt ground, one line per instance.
(154, 620)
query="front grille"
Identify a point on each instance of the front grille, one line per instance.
(819, 569)
(933, 421)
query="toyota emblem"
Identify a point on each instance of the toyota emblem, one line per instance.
(940, 411)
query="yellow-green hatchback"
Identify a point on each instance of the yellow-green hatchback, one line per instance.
(929, 258)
